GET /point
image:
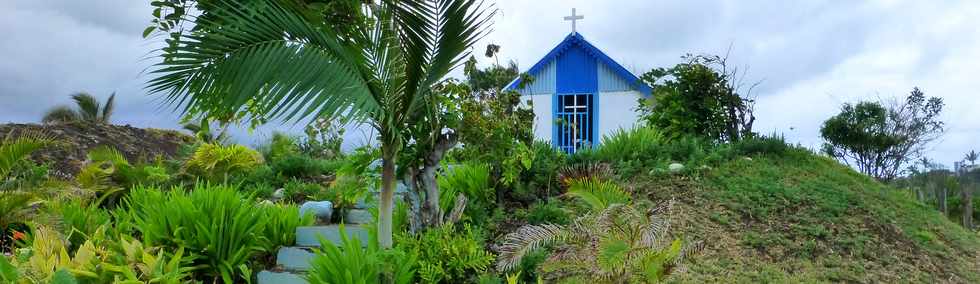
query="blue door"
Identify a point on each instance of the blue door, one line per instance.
(574, 122)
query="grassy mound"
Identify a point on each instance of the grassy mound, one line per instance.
(798, 217)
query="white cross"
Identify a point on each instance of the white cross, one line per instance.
(574, 18)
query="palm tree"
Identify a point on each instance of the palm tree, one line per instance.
(89, 109)
(279, 60)
(972, 156)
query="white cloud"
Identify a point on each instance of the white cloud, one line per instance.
(812, 55)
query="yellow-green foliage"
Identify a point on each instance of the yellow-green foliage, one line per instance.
(448, 254)
(215, 161)
(13, 150)
(97, 260)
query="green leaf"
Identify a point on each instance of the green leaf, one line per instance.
(63, 277)
(8, 273)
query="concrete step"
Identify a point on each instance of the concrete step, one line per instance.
(294, 258)
(307, 236)
(358, 216)
(270, 277)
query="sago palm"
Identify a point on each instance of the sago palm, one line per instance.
(274, 59)
(88, 109)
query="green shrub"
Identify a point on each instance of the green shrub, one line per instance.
(80, 221)
(547, 160)
(297, 165)
(447, 254)
(299, 191)
(223, 228)
(549, 212)
(279, 146)
(217, 163)
(774, 144)
(344, 192)
(350, 263)
(280, 229)
(473, 181)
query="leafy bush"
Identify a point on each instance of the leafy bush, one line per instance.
(299, 191)
(350, 263)
(471, 180)
(344, 192)
(216, 162)
(280, 145)
(98, 260)
(549, 212)
(224, 228)
(280, 229)
(641, 149)
(297, 165)
(80, 221)
(773, 144)
(447, 254)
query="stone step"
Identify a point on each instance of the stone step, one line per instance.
(294, 258)
(307, 236)
(358, 216)
(270, 277)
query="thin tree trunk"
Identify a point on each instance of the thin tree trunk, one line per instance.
(387, 194)
(966, 192)
(942, 201)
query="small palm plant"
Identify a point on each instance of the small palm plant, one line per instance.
(89, 109)
(15, 205)
(619, 244)
(597, 193)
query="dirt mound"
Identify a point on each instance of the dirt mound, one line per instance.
(66, 158)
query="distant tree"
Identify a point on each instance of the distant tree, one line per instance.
(88, 109)
(972, 156)
(880, 139)
(703, 96)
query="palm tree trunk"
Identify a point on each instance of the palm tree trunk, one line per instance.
(387, 194)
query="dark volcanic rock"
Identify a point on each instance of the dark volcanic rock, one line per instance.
(66, 158)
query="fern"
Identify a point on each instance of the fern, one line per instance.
(598, 194)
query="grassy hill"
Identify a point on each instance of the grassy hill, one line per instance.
(797, 217)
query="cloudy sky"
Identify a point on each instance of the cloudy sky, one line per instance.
(811, 56)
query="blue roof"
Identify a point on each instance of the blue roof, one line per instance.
(575, 39)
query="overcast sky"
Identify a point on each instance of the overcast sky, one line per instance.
(811, 56)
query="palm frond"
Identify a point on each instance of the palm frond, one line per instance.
(264, 59)
(107, 154)
(88, 106)
(598, 194)
(60, 114)
(583, 171)
(526, 239)
(108, 109)
(13, 150)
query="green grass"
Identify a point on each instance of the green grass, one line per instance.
(798, 217)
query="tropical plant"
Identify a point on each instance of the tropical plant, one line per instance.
(587, 170)
(598, 194)
(972, 156)
(202, 130)
(224, 228)
(47, 256)
(471, 180)
(136, 263)
(619, 244)
(381, 65)
(280, 230)
(448, 254)
(14, 149)
(349, 263)
(216, 162)
(89, 109)
(79, 221)
(344, 192)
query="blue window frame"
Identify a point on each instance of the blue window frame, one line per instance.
(575, 121)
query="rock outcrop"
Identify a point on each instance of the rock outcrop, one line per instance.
(67, 157)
